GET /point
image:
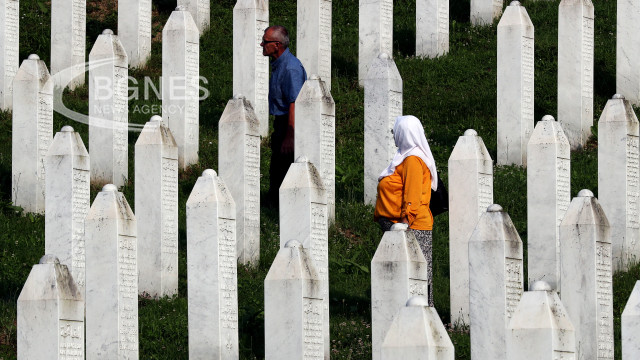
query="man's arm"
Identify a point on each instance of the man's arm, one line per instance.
(287, 144)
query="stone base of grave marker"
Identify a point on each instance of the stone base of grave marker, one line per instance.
(432, 28)
(375, 29)
(68, 42)
(9, 43)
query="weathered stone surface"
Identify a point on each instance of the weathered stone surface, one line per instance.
(548, 197)
(471, 173)
(398, 272)
(575, 69)
(495, 282)
(303, 217)
(111, 277)
(586, 271)
(382, 104)
(618, 175)
(200, 12)
(10, 45)
(375, 29)
(417, 333)
(483, 12)
(50, 314)
(432, 28)
(293, 331)
(156, 189)
(316, 132)
(212, 270)
(108, 111)
(134, 29)
(32, 132)
(314, 37)
(250, 67)
(628, 50)
(180, 83)
(631, 326)
(540, 327)
(239, 166)
(68, 42)
(515, 84)
(67, 201)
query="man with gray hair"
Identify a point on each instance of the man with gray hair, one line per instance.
(287, 77)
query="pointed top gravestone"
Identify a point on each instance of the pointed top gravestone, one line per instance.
(239, 166)
(180, 83)
(631, 326)
(548, 197)
(315, 133)
(515, 85)
(108, 111)
(212, 270)
(67, 201)
(294, 331)
(250, 66)
(50, 314)
(618, 174)
(382, 104)
(156, 203)
(495, 282)
(417, 333)
(540, 327)
(10, 45)
(586, 276)
(32, 132)
(575, 69)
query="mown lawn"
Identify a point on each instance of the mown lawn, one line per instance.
(449, 94)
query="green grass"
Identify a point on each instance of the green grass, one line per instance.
(449, 94)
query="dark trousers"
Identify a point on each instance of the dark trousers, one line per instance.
(279, 162)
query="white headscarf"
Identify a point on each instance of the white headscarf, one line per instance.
(408, 134)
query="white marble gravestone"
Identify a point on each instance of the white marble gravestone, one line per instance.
(375, 31)
(180, 83)
(314, 37)
(111, 277)
(50, 314)
(316, 133)
(548, 197)
(134, 29)
(239, 166)
(156, 204)
(68, 42)
(67, 201)
(628, 50)
(9, 43)
(303, 217)
(382, 104)
(250, 67)
(495, 282)
(586, 276)
(515, 85)
(631, 326)
(483, 12)
(398, 272)
(540, 327)
(432, 28)
(32, 132)
(618, 176)
(200, 12)
(575, 69)
(417, 333)
(108, 111)
(212, 270)
(294, 331)
(471, 174)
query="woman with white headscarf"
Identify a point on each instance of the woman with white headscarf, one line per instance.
(404, 187)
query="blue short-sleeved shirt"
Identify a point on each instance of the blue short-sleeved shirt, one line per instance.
(287, 77)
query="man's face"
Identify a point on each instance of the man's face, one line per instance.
(269, 44)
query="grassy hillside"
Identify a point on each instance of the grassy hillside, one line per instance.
(449, 94)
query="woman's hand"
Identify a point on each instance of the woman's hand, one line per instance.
(404, 220)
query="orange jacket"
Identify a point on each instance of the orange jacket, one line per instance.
(406, 192)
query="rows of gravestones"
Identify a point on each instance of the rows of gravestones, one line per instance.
(111, 229)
